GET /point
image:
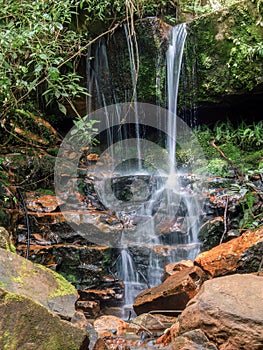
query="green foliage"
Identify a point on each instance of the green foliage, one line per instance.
(241, 144)
(36, 47)
(251, 201)
(84, 132)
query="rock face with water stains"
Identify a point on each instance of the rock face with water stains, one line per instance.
(25, 324)
(173, 294)
(229, 310)
(241, 254)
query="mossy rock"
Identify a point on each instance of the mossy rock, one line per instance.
(25, 324)
(5, 242)
(226, 48)
(45, 286)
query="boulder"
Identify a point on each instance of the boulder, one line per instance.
(211, 232)
(25, 324)
(21, 276)
(229, 310)
(241, 254)
(109, 324)
(173, 268)
(173, 294)
(193, 340)
(154, 323)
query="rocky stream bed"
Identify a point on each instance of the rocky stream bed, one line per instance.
(211, 302)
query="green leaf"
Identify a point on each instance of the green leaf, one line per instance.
(62, 108)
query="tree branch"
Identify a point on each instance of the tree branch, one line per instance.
(238, 172)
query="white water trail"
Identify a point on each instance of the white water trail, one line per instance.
(174, 61)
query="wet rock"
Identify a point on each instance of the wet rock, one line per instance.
(107, 323)
(229, 310)
(211, 232)
(89, 307)
(242, 254)
(46, 204)
(173, 268)
(105, 297)
(26, 324)
(193, 340)
(50, 289)
(173, 294)
(81, 265)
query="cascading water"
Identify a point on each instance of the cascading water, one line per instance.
(174, 61)
(169, 197)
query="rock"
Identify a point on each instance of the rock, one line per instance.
(193, 340)
(173, 268)
(151, 322)
(25, 324)
(100, 345)
(90, 308)
(80, 264)
(79, 319)
(93, 157)
(5, 242)
(108, 323)
(46, 204)
(211, 232)
(232, 85)
(169, 335)
(229, 310)
(94, 294)
(21, 276)
(240, 254)
(173, 294)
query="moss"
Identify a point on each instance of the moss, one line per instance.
(225, 48)
(17, 279)
(24, 322)
(64, 286)
(11, 248)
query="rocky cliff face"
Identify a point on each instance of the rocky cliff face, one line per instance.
(225, 49)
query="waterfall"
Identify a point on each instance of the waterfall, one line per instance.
(174, 62)
(149, 201)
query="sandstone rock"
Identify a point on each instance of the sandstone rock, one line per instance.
(108, 323)
(151, 322)
(229, 310)
(169, 335)
(46, 203)
(26, 324)
(21, 276)
(100, 345)
(173, 294)
(173, 268)
(79, 319)
(193, 340)
(90, 308)
(240, 254)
